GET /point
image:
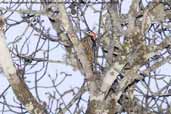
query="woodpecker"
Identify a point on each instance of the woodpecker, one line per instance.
(89, 44)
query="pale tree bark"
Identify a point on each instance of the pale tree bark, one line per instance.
(102, 101)
(15, 80)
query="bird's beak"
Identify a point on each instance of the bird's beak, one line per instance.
(93, 35)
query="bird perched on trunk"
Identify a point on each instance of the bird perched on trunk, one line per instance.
(88, 42)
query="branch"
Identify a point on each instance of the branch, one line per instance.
(74, 99)
(62, 24)
(117, 67)
(110, 77)
(132, 74)
(18, 85)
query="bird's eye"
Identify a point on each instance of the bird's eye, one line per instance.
(89, 32)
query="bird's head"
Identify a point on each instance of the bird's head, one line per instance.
(92, 35)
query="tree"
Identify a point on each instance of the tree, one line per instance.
(118, 58)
